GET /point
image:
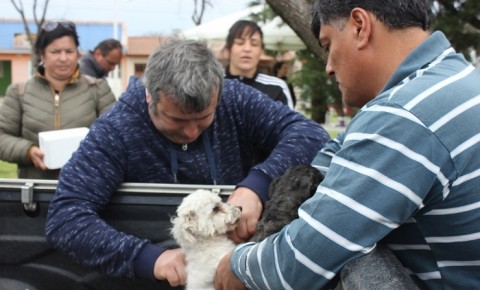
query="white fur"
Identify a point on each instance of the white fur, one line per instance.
(200, 229)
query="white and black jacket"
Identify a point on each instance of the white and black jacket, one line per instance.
(274, 87)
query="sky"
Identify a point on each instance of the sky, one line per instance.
(142, 17)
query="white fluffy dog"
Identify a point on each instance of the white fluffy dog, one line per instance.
(200, 229)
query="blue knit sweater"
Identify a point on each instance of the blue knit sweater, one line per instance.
(124, 146)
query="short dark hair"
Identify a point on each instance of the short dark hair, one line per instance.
(53, 30)
(277, 66)
(107, 45)
(394, 14)
(241, 27)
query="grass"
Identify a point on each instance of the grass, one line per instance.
(8, 170)
(334, 132)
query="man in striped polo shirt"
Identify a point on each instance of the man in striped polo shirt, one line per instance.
(406, 171)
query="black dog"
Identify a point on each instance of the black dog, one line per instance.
(287, 193)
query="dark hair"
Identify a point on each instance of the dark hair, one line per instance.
(394, 14)
(53, 30)
(277, 66)
(107, 45)
(240, 28)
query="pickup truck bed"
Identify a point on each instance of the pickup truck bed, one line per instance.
(27, 262)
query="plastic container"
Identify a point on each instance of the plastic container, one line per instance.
(59, 145)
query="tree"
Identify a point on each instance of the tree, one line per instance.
(38, 22)
(198, 15)
(316, 85)
(458, 19)
(296, 14)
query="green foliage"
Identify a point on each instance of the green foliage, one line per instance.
(459, 20)
(8, 170)
(264, 16)
(317, 87)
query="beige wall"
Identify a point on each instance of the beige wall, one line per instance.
(20, 66)
(130, 66)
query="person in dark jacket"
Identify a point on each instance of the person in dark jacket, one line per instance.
(244, 45)
(280, 70)
(103, 59)
(182, 124)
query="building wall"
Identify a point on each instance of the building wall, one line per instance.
(15, 49)
(135, 60)
(20, 67)
(15, 68)
(90, 33)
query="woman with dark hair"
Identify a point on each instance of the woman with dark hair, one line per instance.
(245, 46)
(57, 97)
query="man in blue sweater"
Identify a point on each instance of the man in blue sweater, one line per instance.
(184, 125)
(406, 172)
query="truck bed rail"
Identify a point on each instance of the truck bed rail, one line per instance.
(26, 260)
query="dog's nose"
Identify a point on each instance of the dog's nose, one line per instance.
(240, 208)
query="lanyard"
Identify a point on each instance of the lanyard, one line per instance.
(208, 152)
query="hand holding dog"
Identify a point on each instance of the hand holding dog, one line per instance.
(224, 278)
(171, 266)
(251, 211)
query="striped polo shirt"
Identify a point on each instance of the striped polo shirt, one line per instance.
(405, 173)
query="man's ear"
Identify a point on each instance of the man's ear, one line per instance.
(97, 53)
(362, 23)
(148, 97)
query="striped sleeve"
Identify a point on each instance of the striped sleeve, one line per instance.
(406, 173)
(357, 204)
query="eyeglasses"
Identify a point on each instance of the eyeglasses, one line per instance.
(52, 25)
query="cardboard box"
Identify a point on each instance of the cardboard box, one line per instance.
(59, 145)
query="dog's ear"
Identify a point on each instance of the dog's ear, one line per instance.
(184, 227)
(190, 226)
(190, 218)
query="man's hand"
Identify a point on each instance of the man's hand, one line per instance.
(251, 211)
(224, 278)
(36, 156)
(170, 266)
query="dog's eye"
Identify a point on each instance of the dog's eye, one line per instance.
(217, 208)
